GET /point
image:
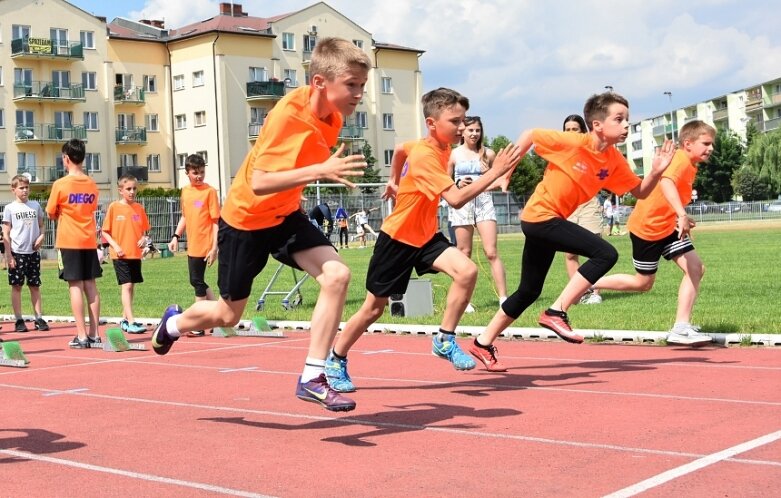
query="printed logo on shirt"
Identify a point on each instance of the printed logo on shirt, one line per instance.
(136, 217)
(120, 217)
(81, 199)
(26, 215)
(602, 174)
(198, 203)
(580, 167)
(405, 168)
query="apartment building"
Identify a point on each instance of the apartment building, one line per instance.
(759, 105)
(144, 96)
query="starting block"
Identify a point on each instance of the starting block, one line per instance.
(13, 356)
(116, 342)
(258, 327)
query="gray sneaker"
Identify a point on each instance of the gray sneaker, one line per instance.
(688, 335)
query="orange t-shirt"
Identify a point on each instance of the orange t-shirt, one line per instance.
(291, 137)
(653, 217)
(414, 219)
(73, 202)
(575, 173)
(126, 223)
(201, 210)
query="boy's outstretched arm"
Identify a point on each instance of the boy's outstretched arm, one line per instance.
(503, 165)
(335, 169)
(397, 163)
(662, 159)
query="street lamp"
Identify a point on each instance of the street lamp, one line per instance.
(672, 115)
(608, 88)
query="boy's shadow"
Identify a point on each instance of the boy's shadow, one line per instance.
(37, 441)
(415, 417)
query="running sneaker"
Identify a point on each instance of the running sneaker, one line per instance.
(20, 326)
(318, 391)
(449, 350)
(487, 356)
(469, 308)
(687, 334)
(336, 373)
(558, 322)
(135, 328)
(40, 324)
(95, 342)
(77, 343)
(124, 325)
(161, 341)
(591, 298)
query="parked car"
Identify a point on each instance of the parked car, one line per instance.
(623, 212)
(735, 207)
(774, 207)
(702, 207)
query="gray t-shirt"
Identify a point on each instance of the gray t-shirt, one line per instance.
(23, 218)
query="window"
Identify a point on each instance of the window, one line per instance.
(26, 164)
(2, 118)
(258, 74)
(198, 78)
(126, 121)
(179, 82)
(200, 118)
(23, 78)
(152, 122)
(88, 39)
(89, 80)
(126, 160)
(204, 155)
(637, 145)
(387, 85)
(290, 74)
(2, 161)
(61, 79)
(181, 159)
(60, 40)
(19, 32)
(361, 120)
(91, 121)
(63, 120)
(309, 42)
(1, 75)
(257, 115)
(91, 162)
(387, 121)
(150, 83)
(181, 121)
(358, 43)
(388, 156)
(153, 162)
(288, 41)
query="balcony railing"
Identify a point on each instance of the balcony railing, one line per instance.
(720, 114)
(129, 95)
(351, 132)
(47, 132)
(131, 136)
(37, 48)
(666, 129)
(140, 172)
(42, 174)
(771, 124)
(46, 90)
(264, 90)
(253, 130)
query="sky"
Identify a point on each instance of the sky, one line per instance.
(529, 63)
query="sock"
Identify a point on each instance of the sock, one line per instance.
(312, 369)
(477, 343)
(553, 312)
(171, 328)
(338, 356)
(502, 299)
(446, 335)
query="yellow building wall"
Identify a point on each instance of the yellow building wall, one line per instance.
(393, 59)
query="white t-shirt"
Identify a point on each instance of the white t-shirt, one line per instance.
(23, 219)
(608, 208)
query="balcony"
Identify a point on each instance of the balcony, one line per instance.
(45, 48)
(351, 132)
(130, 136)
(770, 124)
(140, 172)
(128, 95)
(720, 114)
(48, 133)
(38, 91)
(42, 174)
(253, 130)
(265, 90)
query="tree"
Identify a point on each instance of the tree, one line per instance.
(714, 178)
(528, 173)
(370, 174)
(764, 160)
(748, 185)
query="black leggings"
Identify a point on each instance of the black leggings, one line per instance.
(543, 240)
(344, 234)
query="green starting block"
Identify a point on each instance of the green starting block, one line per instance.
(258, 327)
(13, 356)
(116, 342)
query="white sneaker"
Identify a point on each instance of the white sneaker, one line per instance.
(469, 308)
(592, 298)
(687, 334)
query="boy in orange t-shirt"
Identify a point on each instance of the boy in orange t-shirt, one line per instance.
(262, 215)
(200, 214)
(579, 166)
(410, 237)
(658, 227)
(72, 203)
(124, 227)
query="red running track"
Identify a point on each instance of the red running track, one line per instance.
(217, 416)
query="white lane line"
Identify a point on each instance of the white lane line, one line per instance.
(393, 425)
(378, 351)
(66, 391)
(245, 369)
(698, 464)
(133, 475)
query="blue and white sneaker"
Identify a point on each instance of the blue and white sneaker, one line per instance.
(336, 373)
(161, 341)
(450, 351)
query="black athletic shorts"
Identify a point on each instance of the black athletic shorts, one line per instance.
(28, 267)
(646, 253)
(79, 264)
(128, 271)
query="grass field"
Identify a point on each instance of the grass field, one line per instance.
(738, 294)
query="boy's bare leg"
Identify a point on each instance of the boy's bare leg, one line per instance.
(463, 271)
(496, 326)
(93, 306)
(16, 300)
(693, 271)
(35, 299)
(575, 288)
(370, 311)
(571, 263)
(487, 230)
(76, 291)
(638, 282)
(126, 293)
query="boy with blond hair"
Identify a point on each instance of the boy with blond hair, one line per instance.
(410, 236)
(23, 234)
(72, 204)
(262, 214)
(659, 227)
(124, 227)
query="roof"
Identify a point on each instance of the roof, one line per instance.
(391, 46)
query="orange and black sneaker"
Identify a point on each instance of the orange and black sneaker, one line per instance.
(487, 356)
(558, 322)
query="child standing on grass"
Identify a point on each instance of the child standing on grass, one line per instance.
(72, 204)
(262, 215)
(23, 232)
(200, 214)
(410, 236)
(659, 227)
(579, 166)
(124, 228)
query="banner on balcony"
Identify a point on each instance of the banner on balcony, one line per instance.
(40, 45)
